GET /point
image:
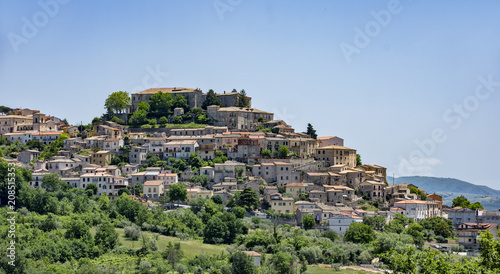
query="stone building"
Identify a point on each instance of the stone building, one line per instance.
(195, 97)
(336, 155)
(237, 118)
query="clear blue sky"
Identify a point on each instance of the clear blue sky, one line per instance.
(397, 88)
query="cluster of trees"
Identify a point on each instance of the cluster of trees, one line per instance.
(12, 149)
(161, 106)
(5, 110)
(180, 165)
(419, 192)
(461, 201)
(281, 153)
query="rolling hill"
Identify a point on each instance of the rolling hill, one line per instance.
(450, 188)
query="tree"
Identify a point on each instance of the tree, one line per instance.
(123, 190)
(106, 236)
(91, 188)
(415, 231)
(241, 263)
(5, 110)
(247, 199)
(163, 120)
(239, 212)
(211, 99)
(52, 182)
(177, 192)
(180, 102)
(242, 100)
(217, 199)
(173, 253)
(443, 229)
(358, 160)
(376, 222)
(139, 117)
(137, 189)
(282, 262)
(215, 231)
(266, 153)
(202, 119)
(308, 221)
(77, 229)
(359, 233)
(283, 151)
(35, 144)
(104, 201)
(490, 250)
(117, 102)
(398, 223)
(161, 104)
(419, 192)
(311, 131)
(117, 120)
(461, 201)
(200, 179)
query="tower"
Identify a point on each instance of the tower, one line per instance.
(38, 121)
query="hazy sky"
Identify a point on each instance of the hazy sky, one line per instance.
(412, 85)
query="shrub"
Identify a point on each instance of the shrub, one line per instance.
(457, 248)
(133, 232)
(311, 253)
(440, 239)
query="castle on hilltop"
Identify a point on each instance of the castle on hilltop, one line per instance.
(195, 97)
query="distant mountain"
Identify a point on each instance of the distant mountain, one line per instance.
(450, 188)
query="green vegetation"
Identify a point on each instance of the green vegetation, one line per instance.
(117, 102)
(242, 100)
(211, 99)
(419, 192)
(311, 131)
(461, 201)
(358, 160)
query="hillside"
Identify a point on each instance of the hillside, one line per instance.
(450, 188)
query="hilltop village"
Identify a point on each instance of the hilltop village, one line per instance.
(173, 148)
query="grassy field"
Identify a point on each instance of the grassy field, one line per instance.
(190, 247)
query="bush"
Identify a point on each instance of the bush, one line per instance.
(311, 253)
(256, 220)
(440, 239)
(133, 232)
(180, 267)
(457, 248)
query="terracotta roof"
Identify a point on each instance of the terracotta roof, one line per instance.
(336, 147)
(326, 138)
(153, 183)
(164, 90)
(410, 202)
(46, 133)
(167, 174)
(294, 185)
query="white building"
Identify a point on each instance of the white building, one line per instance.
(112, 145)
(340, 223)
(180, 149)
